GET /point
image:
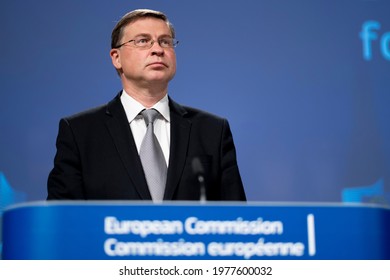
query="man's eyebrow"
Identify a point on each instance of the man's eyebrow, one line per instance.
(149, 35)
(143, 34)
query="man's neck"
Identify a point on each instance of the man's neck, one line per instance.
(146, 96)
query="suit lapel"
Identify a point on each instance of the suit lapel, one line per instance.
(180, 135)
(120, 131)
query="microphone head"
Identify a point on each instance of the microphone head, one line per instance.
(197, 166)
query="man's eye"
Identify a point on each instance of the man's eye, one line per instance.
(166, 42)
(142, 41)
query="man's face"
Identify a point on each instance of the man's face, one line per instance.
(145, 66)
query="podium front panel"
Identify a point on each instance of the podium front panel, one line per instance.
(246, 231)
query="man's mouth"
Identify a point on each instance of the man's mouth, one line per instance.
(157, 64)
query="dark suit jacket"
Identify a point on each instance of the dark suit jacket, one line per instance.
(97, 157)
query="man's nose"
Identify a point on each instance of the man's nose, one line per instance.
(157, 49)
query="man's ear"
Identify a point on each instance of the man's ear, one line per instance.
(115, 58)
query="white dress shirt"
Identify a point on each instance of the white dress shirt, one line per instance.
(162, 126)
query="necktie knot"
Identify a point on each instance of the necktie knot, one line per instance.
(149, 115)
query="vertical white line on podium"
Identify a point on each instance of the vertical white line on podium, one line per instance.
(311, 235)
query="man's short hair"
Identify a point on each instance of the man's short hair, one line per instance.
(117, 32)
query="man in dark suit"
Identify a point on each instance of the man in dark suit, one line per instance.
(98, 150)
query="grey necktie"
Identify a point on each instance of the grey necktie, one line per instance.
(152, 158)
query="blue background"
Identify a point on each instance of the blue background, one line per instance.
(309, 115)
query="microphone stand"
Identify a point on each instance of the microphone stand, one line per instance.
(198, 170)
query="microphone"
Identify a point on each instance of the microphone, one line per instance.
(198, 170)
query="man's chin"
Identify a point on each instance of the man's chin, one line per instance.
(157, 78)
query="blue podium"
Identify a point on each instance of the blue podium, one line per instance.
(236, 231)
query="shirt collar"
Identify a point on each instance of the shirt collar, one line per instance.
(133, 107)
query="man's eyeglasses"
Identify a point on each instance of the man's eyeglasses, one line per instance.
(146, 43)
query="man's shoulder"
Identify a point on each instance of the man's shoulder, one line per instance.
(86, 118)
(195, 113)
(88, 113)
(201, 113)
(94, 113)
